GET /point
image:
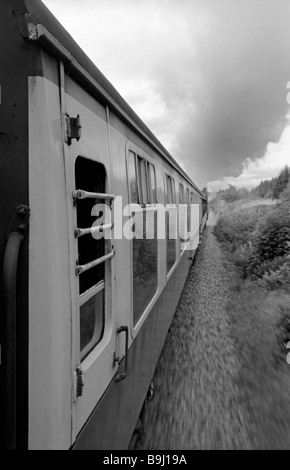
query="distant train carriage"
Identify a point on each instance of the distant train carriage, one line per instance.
(83, 317)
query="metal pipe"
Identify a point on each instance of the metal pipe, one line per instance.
(80, 232)
(81, 194)
(92, 264)
(10, 264)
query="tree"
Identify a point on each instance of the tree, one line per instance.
(281, 183)
(286, 192)
(233, 194)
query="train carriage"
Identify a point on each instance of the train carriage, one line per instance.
(83, 316)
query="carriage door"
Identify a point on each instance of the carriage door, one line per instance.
(95, 340)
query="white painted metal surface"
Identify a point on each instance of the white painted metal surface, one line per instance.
(50, 307)
(56, 415)
(98, 367)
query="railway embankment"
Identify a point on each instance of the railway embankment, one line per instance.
(223, 379)
(256, 237)
(197, 403)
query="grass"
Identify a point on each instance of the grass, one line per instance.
(263, 380)
(257, 240)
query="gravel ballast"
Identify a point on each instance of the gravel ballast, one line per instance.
(196, 402)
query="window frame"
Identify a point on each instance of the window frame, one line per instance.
(92, 347)
(152, 199)
(171, 181)
(181, 193)
(129, 175)
(147, 207)
(141, 159)
(83, 299)
(171, 205)
(142, 165)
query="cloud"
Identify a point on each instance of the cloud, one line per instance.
(277, 155)
(209, 78)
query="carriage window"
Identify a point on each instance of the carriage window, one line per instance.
(182, 217)
(132, 178)
(143, 186)
(170, 190)
(145, 256)
(145, 246)
(90, 176)
(92, 322)
(171, 224)
(181, 194)
(142, 180)
(152, 183)
(188, 210)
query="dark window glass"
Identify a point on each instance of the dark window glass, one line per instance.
(170, 223)
(142, 177)
(181, 194)
(90, 176)
(170, 190)
(204, 207)
(145, 264)
(182, 215)
(188, 210)
(173, 191)
(170, 238)
(152, 184)
(92, 322)
(132, 178)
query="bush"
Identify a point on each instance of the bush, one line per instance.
(277, 277)
(258, 238)
(286, 193)
(272, 236)
(260, 327)
(236, 227)
(243, 256)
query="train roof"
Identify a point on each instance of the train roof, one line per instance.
(52, 34)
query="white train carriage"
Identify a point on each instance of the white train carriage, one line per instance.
(83, 317)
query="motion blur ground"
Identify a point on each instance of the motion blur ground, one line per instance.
(196, 403)
(223, 380)
(256, 239)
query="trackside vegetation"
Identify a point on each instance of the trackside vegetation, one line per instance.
(256, 239)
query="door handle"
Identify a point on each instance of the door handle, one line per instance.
(123, 375)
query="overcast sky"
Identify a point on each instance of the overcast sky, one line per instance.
(209, 77)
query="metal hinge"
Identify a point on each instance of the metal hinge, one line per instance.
(73, 128)
(78, 383)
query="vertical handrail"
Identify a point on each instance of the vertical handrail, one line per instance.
(9, 336)
(10, 266)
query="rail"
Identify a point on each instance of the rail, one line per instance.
(85, 267)
(81, 194)
(80, 232)
(10, 268)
